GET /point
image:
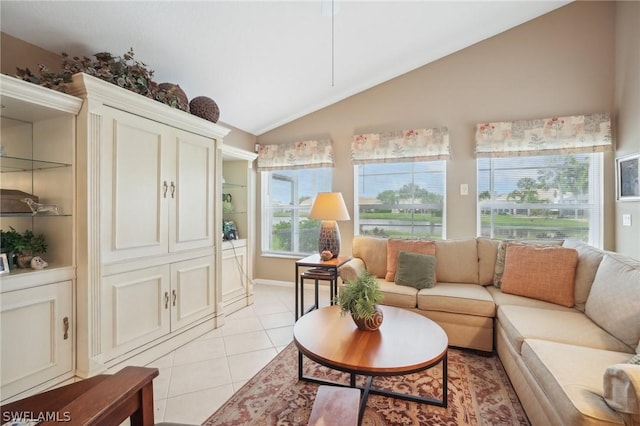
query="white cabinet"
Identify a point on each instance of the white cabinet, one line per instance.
(148, 241)
(158, 188)
(37, 319)
(236, 265)
(36, 326)
(143, 305)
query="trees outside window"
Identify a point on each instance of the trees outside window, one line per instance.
(287, 196)
(541, 197)
(401, 200)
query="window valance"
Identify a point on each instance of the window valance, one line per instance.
(296, 155)
(573, 134)
(405, 145)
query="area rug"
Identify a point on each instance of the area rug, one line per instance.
(479, 394)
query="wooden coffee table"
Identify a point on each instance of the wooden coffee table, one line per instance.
(405, 343)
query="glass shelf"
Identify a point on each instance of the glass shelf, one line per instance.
(232, 185)
(28, 215)
(15, 164)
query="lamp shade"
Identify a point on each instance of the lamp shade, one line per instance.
(329, 206)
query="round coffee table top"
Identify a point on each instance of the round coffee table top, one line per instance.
(406, 342)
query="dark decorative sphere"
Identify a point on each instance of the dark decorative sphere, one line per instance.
(173, 95)
(204, 107)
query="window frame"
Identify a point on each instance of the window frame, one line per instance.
(595, 192)
(296, 210)
(356, 197)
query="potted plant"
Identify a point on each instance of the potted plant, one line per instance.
(360, 297)
(28, 246)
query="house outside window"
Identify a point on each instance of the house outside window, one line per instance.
(541, 197)
(541, 179)
(401, 200)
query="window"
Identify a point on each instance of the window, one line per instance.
(401, 200)
(287, 196)
(541, 197)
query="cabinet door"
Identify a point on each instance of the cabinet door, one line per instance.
(134, 187)
(192, 291)
(135, 309)
(191, 207)
(36, 325)
(234, 267)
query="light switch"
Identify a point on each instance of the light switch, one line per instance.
(464, 189)
(626, 220)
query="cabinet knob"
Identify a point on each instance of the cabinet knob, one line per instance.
(166, 300)
(173, 297)
(65, 324)
(173, 189)
(165, 187)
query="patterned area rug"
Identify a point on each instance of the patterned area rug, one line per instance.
(479, 394)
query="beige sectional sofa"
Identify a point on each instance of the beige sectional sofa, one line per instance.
(567, 350)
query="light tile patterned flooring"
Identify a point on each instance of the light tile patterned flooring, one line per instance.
(200, 376)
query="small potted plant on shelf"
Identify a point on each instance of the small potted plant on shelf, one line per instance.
(8, 241)
(28, 246)
(360, 298)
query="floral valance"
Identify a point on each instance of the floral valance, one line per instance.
(574, 134)
(405, 145)
(297, 155)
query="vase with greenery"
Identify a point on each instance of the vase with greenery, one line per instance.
(360, 298)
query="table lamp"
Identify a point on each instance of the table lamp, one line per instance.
(329, 207)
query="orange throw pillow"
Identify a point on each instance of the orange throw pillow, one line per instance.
(543, 273)
(396, 245)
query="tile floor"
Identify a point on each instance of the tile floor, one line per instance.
(200, 376)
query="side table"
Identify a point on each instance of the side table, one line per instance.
(317, 270)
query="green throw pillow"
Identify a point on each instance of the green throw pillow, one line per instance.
(416, 270)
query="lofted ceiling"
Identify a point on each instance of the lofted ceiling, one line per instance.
(267, 63)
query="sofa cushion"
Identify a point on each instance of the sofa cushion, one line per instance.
(416, 270)
(400, 296)
(395, 246)
(588, 261)
(614, 300)
(468, 299)
(544, 273)
(571, 377)
(500, 298)
(373, 252)
(487, 255)
(524, 322)
(457, 261)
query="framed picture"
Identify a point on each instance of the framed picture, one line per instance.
(628, 177)
(4, 264)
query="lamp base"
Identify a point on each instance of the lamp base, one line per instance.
(329, 237)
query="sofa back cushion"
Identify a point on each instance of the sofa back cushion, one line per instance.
(589, 259)
(457, 261)
(396, 245)
(487, 255)
(614, 299)
(539, 272)
(373, 252)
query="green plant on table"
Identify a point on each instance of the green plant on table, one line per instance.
(360, 296)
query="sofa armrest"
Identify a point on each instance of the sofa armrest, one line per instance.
(622, 388)
(352, 269)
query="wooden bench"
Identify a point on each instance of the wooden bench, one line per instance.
(99, 400)
(335, 406)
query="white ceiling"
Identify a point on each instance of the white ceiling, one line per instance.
(267, 63)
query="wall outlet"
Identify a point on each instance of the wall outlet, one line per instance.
(464, 189)
(626, 220)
